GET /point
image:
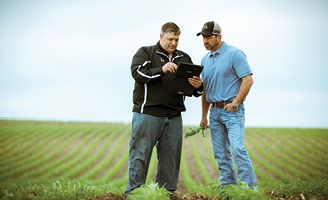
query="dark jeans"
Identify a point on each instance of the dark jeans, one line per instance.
(166, 134)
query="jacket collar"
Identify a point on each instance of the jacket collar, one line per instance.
(161, 51)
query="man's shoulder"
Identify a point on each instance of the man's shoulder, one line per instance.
(182, 52)
(146, 50)
(149, 48)
(207, 55)
(230, 48)
(179, 52)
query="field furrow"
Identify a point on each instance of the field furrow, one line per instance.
(98, 153)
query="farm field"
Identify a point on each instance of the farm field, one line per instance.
(75, 160)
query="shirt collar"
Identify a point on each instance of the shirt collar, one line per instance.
(220, 50)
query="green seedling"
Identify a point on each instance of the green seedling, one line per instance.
(195, 131)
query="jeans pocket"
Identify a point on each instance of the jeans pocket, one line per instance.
(238, 113)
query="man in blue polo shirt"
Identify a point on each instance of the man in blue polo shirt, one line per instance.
(227, 79)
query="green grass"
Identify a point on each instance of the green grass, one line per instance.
(74, 160)
(150, 191)
(310, 189)
(53, 190)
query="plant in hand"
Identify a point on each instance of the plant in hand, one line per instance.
(195, 131)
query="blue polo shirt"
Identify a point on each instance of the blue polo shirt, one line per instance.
(222, 73)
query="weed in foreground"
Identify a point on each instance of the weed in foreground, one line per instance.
(58, 190)
(150, 191)
(232, 192)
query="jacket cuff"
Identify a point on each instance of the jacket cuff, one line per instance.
(198, 92)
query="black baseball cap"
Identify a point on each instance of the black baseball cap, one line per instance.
(210, 28)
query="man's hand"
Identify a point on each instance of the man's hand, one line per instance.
(195, 81)
(232, 107)
(245, 86)
(203, 123)
(170, 67)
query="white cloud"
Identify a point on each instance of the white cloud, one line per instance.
(71, 60)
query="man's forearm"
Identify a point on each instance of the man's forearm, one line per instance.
(205, 106)
(245, 86)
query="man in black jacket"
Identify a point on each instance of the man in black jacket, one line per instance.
(157, 107)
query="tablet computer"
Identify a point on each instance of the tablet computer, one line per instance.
(188, 70)
(180, 84)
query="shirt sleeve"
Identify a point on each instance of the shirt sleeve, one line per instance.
(141, 67)
(240, 64)
(202, 63)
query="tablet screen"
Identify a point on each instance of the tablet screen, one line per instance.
(188, 70)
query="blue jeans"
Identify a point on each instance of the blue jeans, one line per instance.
(227, 134)
(166, 134)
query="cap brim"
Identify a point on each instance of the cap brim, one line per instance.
(204, 34)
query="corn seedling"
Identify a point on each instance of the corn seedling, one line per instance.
(150, 192)
(195, 131)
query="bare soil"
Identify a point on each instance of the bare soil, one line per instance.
(111, 196)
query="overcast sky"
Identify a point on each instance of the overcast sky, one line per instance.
(70, 60)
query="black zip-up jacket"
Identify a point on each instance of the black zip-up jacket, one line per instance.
(154, 91)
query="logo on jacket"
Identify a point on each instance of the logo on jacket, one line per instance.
(162, 60)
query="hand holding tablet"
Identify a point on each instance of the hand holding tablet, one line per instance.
(188, 70)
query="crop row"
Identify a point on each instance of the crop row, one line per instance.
(99, 152)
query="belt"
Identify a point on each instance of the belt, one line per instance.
(220, 104)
